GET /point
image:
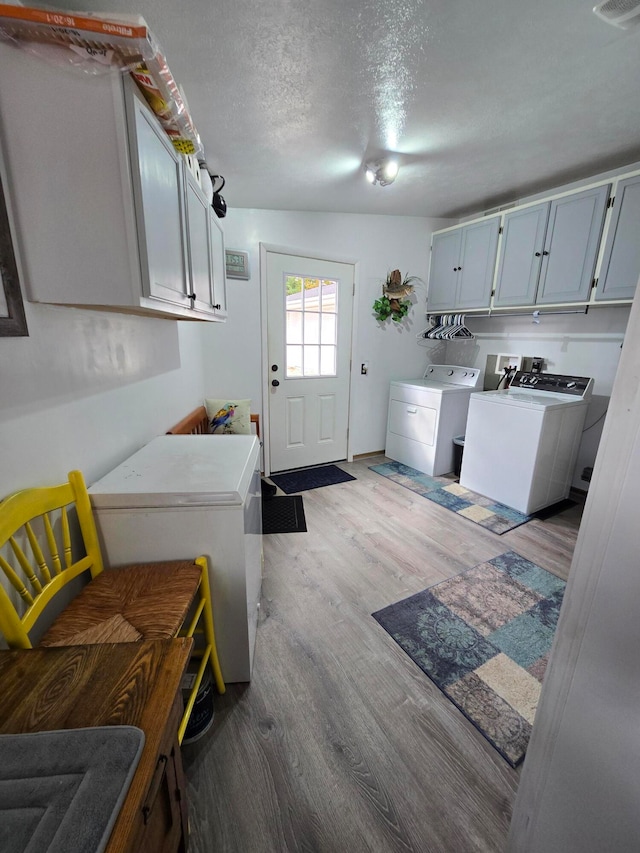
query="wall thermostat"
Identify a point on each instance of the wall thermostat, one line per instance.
(237, 264)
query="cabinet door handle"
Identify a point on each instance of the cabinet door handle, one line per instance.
(537, 254)
(217, 307)
(545, 253)
(192, 296)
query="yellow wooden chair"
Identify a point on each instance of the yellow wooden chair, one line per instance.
(39, 555)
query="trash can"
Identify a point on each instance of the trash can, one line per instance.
(202, 715)
(458, 450)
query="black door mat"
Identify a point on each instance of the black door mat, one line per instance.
(310, 478)
(283, 514)
(268, 489)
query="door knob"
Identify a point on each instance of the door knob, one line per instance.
(275, 383)
(274, 367)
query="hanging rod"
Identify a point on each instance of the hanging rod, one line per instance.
(535, 314)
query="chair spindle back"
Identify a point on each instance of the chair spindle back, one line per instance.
(36, 562)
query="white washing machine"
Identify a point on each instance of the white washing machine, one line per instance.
(425, 415)
(521, 444)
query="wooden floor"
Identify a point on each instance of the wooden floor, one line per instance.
(340, 743)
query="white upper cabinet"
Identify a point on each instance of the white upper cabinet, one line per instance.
(547, 253)
(158, 176)
(105, 213)
(462, 266)
(571, 246)
(443, 272)
(620, 268)
(477, 265)
(199, 242)
(219, 267)
(207, 268)
(521, 255)
(549, 250)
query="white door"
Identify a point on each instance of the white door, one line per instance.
(309, 311)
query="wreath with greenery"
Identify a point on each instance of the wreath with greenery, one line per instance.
(393, 302)
(395, 308)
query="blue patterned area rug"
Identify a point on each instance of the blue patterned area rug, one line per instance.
(448, 492)
(484, 637)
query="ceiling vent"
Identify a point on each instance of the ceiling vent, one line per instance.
(621, 13)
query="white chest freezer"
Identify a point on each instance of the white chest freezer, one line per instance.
(181, 496)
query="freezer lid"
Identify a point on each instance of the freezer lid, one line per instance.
(181, 471)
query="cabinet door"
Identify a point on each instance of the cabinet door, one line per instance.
(443, 274)
(218, 264)
(159, 188)
(571, 246)
(163, 821)
(521, 255)
(621, 260)
(477, 265)
(199, 245)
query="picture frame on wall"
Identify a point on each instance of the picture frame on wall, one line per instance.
(13, 322)
(237, 264)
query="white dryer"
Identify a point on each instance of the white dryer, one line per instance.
(425, 415)
(521, 444)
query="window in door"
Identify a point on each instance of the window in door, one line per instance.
(311, 326)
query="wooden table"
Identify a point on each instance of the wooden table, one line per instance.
(135, 684)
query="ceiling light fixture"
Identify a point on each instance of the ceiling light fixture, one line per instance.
(383, 172)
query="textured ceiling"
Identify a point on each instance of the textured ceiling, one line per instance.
(484, 101)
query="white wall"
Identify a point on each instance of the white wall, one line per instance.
(581, 344)
(232, 355)
(86, 389)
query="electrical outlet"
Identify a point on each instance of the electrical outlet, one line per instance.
(364, 368)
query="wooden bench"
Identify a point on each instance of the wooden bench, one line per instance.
(124, 684)
(198, 423)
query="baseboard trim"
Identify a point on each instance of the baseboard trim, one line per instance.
(366, 455)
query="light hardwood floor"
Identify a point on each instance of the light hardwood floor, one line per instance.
(340, 742)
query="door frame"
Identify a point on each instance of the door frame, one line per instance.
(319, 256)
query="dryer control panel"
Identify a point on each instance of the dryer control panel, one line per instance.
(554, 383)
(454, 374)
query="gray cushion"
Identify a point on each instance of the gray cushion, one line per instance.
(61, 791)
